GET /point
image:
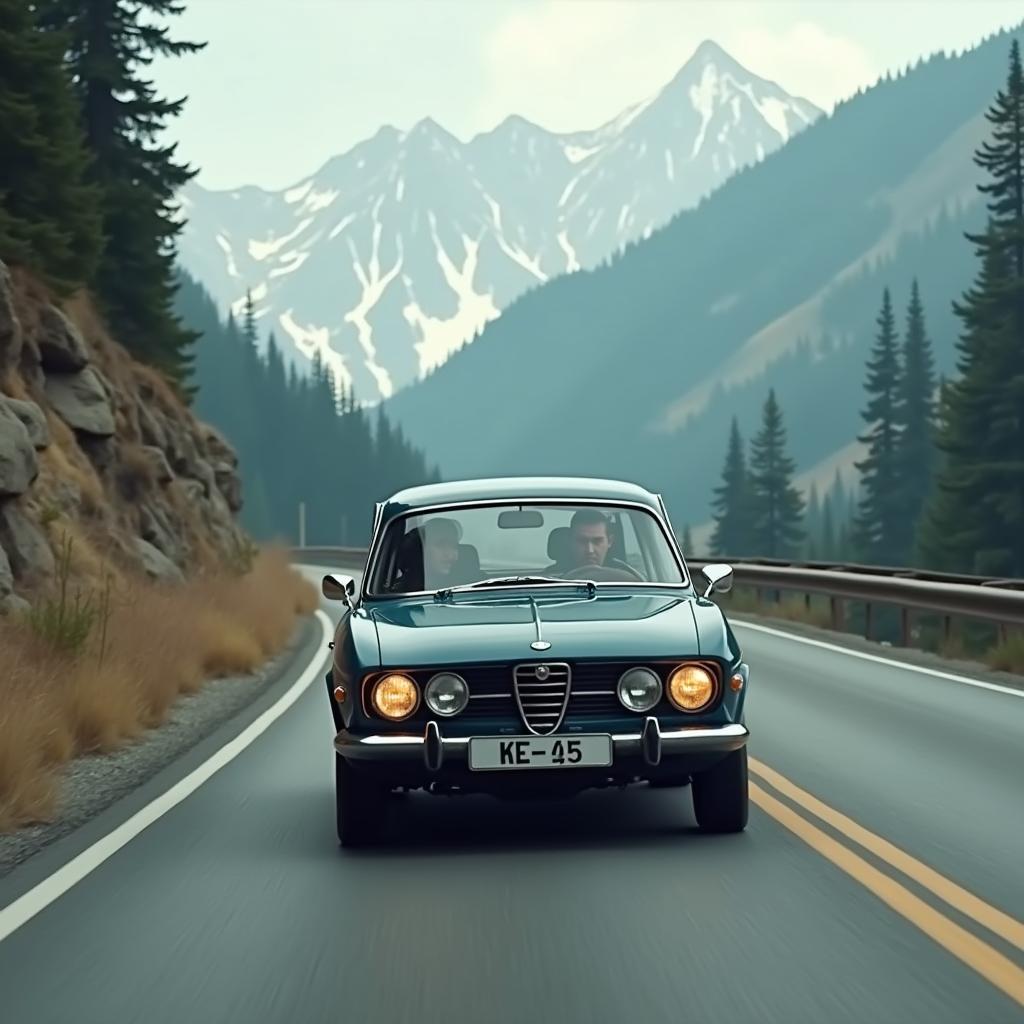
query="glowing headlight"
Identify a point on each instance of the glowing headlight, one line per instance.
(691, 687)
(395, 696)
(639, 689)
(446, 694)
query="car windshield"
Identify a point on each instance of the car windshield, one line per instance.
(498, 543)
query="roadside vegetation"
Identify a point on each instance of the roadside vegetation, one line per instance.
(95, 664)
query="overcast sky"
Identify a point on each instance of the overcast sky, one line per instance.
(285, 84)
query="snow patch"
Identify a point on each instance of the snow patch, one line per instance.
(297, 194)
(571, 262)
(759, 150)
(374, 285)
(399, 190)
(576, 154)
(341, 225)
(702, 96)
(261, 250)
(440, 338)
(495, 211)
(567, 191)
(312, 339)
(296, 260)
(226, 246)
(670, 166)
(774, 112)
(623, 214)
(515, 253)
(317, 201)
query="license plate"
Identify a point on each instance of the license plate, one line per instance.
(487, 753)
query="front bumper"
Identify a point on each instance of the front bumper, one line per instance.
(651, 746)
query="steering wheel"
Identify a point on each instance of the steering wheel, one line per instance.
(604, 574)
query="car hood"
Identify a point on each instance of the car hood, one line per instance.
(420, 632)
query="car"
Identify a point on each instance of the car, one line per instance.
(532, 637)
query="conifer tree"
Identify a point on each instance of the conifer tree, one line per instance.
(687, 541)
(731, 502)
(812, 524)
(915, 445)
(777, 506)
(975, 520)
(877, 527)
(828, 548)
(49, 214)
(109, 44)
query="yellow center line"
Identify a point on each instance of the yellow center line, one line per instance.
(992, 965)
(995, 920)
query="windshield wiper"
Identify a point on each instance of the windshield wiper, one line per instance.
(511, 581)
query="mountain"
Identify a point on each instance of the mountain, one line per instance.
(393, 255)
(635, 368)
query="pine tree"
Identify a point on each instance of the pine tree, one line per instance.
(828, 545)
(975, 520)
(877, 526)
(812, 524)
(249, 320)
(49, 215)
(109, 44)
(687, 541)
(776, 504)
(915, 445)
(731, 502)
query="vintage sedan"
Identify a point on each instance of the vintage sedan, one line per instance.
(533, 637)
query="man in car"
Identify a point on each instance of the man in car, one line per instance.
(588, 544)
(440, 552)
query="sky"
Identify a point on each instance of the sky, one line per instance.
(283, 85)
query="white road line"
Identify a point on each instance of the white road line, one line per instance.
(13, 916)
(981, 684)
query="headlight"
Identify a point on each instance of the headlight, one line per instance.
(691, 687)
(446, 694)
(639, 689)
(395, 696)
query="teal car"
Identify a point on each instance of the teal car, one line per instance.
(529, 637)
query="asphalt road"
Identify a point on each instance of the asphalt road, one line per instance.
(237, 905)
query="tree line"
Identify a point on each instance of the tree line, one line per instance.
(300, 438)
(941, 480)
(87, 188)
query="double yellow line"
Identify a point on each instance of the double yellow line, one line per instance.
(992, 965)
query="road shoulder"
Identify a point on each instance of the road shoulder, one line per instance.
(101, 791)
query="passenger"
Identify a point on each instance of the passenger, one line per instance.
(440, 552)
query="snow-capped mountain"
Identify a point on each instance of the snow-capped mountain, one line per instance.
(396, 253)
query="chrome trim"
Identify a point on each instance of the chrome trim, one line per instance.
(661, 520)
(488, 696)
(562, 704)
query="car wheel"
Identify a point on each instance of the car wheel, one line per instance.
(360, 804)
(720, 794)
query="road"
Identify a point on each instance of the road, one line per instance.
(237, 905)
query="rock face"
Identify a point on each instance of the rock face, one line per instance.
(33, 419)
(26, 545)
(95, 444)
(81, 402)
(18, 463)
(61, 346)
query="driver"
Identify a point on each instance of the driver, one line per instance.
(589, 543)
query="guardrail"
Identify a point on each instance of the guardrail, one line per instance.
(997, 601)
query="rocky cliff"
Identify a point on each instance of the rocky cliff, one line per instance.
(99, 458)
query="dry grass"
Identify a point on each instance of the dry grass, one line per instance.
(745, 601)
(1008, 656)
(160, 642)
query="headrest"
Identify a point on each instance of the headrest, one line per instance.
(469, 559)
(558, 543)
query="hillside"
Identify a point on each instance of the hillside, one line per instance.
(393, 255)
(97, 450)
(635, 368)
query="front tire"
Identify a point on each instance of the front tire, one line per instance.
(360, 805)
(720, 799)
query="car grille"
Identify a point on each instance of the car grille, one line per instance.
(541, 694)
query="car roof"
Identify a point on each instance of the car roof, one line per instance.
(511, 488)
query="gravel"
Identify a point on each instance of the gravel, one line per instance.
(94, 782)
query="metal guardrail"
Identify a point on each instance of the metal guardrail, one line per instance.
(998, 601)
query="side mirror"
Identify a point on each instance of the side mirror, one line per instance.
(719, 577)
(338, 588)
